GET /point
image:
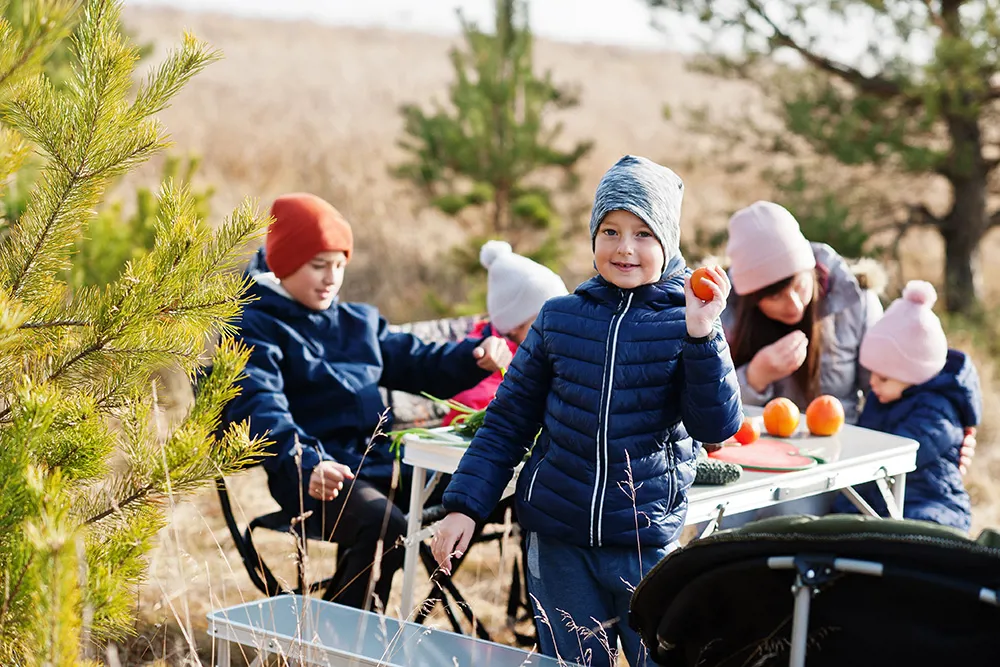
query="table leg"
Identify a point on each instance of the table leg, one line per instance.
(899, 490)
(858, 501)
(411, 558)
(222, 658)
(715, 522)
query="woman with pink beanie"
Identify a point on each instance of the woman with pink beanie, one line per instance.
(795, 319)
(920, 390)
(796, 315)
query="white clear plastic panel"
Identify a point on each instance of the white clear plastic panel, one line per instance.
(318, 632)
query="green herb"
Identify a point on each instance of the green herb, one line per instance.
(396, 438)
(466, 424)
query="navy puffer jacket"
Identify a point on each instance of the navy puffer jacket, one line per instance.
(935, 414)
(314, 376)
(606, 375)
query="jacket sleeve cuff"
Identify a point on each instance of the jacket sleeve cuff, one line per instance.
(310, 456)
(458, 503)
(705, 346)
(750, 395)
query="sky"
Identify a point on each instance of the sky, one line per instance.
(621, 22)
(618, 22)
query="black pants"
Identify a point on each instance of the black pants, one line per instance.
(361, 520)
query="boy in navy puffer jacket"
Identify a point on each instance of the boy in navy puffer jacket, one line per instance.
(311, 386)
(614, 380)
(924, 391)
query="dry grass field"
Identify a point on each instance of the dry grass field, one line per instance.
(294, 106)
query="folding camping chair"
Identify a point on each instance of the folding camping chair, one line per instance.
(824, 591)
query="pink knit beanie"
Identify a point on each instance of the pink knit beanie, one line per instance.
(765, 246)
(908, 343)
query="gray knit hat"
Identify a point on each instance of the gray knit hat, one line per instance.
(648, 190)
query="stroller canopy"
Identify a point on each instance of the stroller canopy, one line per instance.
(884, 593)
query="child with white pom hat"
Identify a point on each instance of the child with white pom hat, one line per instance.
(515, 291)
(921, 390)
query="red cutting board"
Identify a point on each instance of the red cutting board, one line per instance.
(766, 454)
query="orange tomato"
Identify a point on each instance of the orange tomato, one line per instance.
(748, 433)
(825, 415)
(781, 417)
(700, 289)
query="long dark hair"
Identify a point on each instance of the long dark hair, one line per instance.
(753, 330)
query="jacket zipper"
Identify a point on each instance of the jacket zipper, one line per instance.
(601, 474)
(531, 484)
(671, 474)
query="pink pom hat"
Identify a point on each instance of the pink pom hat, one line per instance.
(765, 246)
(908, 343)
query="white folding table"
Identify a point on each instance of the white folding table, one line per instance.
(853, 456)
(309, 631)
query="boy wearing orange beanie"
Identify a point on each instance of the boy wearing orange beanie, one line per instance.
(312, 383)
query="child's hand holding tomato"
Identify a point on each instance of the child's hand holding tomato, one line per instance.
(707, 290)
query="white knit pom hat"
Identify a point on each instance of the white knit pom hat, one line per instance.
(517, 286)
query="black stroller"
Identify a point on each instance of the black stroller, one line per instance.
(837, 590)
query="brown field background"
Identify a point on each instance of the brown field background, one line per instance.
(294, 106)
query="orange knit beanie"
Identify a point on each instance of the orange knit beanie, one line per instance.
(304, 226)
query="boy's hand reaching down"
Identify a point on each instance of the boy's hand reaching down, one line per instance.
(452, 538)
(701, 315)
(492, 354)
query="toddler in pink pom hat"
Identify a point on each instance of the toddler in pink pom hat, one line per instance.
(908, 343)
(924, 391)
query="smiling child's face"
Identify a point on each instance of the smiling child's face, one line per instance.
(317, 282)
(626, 252)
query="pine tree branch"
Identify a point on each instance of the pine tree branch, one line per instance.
(190, 356)
(76, 176)
(55, 324)
(22, 61)
(16, 589)
(97, 346)
(197, 306)
(935, 18)
(15, 287)
(919, 216)
(872, 85)
(138, 495)
(139, 150)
